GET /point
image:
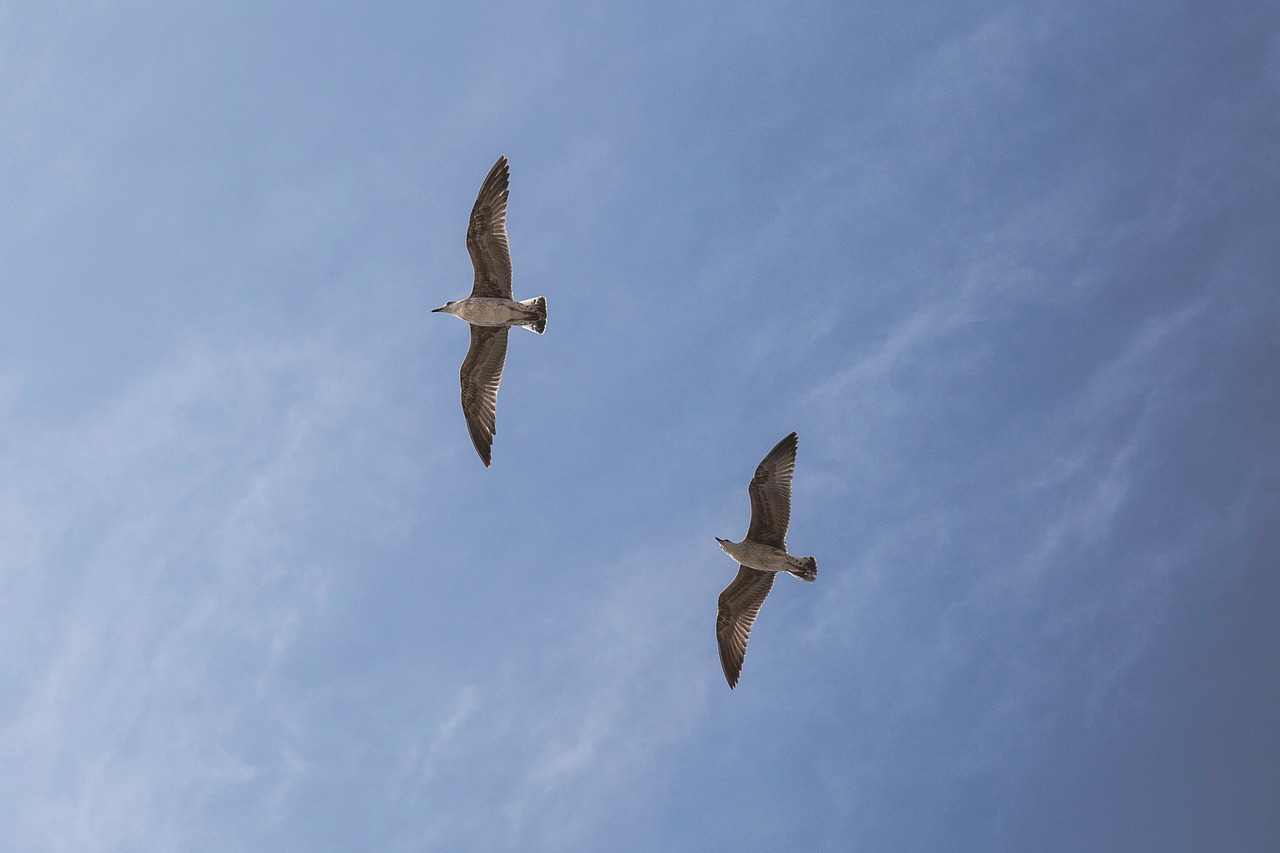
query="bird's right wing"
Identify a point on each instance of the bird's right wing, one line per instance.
(481, 373)
(739, 606)
(770, 492)
(487, 236)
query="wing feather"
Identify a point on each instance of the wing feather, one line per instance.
(770, 492)
(481, 372)
(487, 235)
(739, 606)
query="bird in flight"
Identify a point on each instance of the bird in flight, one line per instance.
(761, 555)
(490, 309)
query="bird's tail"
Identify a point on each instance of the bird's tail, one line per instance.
(538, 305)
(805, 568)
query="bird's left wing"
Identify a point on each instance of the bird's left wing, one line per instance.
(739, 606)
(487, 235)
(481, 373)
(770, 492)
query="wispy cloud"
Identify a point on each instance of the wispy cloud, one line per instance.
(579, 721)
(157, 557)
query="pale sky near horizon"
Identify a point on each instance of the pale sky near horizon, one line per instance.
(1011, 271)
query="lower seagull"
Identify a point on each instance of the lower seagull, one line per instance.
(761, 556)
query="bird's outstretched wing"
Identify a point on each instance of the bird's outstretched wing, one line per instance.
(487, 236)
(770, 492)
(739, 606)
(481, 373)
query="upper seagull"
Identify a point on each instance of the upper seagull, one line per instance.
(490, 309)
(762, 555)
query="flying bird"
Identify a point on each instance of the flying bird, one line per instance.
(490, 309)
(761, 555)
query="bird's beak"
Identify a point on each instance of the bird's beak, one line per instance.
(434, 310)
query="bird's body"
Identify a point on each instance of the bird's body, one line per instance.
(493, 311)
(490, 309)
(765, 558)
(761, 555)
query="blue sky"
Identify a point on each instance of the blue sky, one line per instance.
(1009, 270)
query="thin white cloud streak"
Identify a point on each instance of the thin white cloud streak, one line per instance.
(1025, 613)
(538, 755)
(1075, 478)
(152, 584)
(1072, 475)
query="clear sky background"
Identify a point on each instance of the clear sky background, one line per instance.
(1011, 271)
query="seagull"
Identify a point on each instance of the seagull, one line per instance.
(761, 556)
(490, 309)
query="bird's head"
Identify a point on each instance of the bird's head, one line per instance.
(446, 308)
(723, 542)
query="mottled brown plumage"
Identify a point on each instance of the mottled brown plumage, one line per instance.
(490, 309)
(481, 373)
(738, 608)
(487, 235)
(770, 492)
(761, 555)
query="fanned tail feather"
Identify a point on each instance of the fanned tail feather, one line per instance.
(538, 305)
(807, 570)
